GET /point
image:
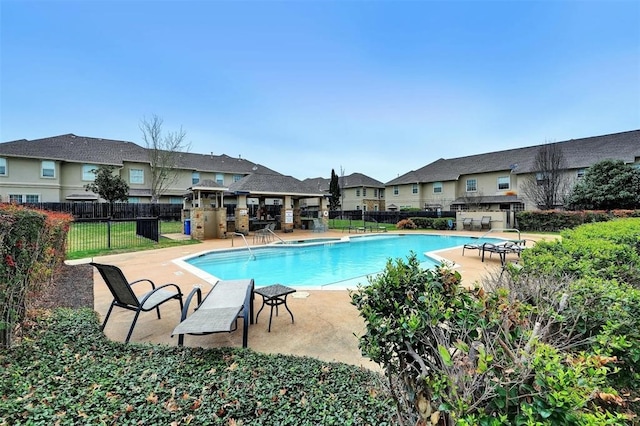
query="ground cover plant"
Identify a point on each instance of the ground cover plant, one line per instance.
(65, 371)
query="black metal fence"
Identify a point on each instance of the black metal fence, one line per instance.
(164, 211)
(102, 234)
(387, 216)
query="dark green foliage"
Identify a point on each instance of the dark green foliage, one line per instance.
(334, 191)
(109, 186)
(607, 185)
(66, 370)
(523, 354)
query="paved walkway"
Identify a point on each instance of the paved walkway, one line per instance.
(326, 324)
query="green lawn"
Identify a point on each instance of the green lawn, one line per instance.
(90, 239)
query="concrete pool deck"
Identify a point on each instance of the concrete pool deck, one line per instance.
(326, 324)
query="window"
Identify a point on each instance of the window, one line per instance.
(136, 176)
(437, 187)
(220, 178)
(364, 192)
(32, 198)
(375, 207)
(357, 193)
(195, 178)
(382, 193)
(541, 178)
(357, 207)
(237, 177)
(504, 183)
(134, 199)
(396, 190)
(472, 185)
(414, 188)
(47, 169)
(580, 173)
(175, 200)
(364, 208)
(15, 198)
(375, 193)
(88, 172)
(3, 166)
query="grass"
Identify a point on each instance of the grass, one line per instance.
(90, 239)
(346, 223)
(65, 371)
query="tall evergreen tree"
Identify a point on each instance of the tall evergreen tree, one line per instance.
(334, 190)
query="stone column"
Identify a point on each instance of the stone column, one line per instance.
(242, 215)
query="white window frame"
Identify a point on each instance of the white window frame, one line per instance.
(46, 167)
(580, 173)
(4, 171)
(175, 200)
(437, 187)
(136, 176)
(237, 177)
(396, 190)
(414, 188)
(472, 185)
(133, 200)
(364, 192)
(502, 180)
(220, 178)
(357, 193)
(88, 172)
(16, 198)
(195, 178)
(37, 198)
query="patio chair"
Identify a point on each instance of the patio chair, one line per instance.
(124, 296)
(485, 222)
(318, 226)
(467, 223)
(227, 301)
(471, 246)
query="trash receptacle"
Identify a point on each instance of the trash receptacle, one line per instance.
(187, 226)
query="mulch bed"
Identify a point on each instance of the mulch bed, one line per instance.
(72, 288)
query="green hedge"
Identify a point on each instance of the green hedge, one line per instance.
(554, 221)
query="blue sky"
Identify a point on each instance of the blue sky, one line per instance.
(376, 87)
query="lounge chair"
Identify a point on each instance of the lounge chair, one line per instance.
(227, 301)
(124, 296)
(472, 247)
(467, 223)
(485, 222)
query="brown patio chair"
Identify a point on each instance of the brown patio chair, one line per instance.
(124, 296)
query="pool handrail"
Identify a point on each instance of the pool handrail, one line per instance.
(251, 255)
(275, 235)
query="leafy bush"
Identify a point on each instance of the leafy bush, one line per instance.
(470, 357)
(406, 224)
(554, 220)
(67, 372)
(32, 246)
(422, 222)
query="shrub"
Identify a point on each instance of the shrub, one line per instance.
(32, 246)
(406, 224)
(422, 222)
(466, 356)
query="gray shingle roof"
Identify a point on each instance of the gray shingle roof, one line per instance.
(259, 183)
(83, 149)
(358, 179)
(578, 153)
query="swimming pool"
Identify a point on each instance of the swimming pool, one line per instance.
(333, 264)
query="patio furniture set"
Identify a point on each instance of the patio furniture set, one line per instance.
(217, 312)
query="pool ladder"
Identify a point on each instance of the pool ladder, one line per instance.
(246, 243)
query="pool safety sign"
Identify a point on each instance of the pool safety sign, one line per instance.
(288, 216)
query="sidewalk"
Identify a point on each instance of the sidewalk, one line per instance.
(326, 324)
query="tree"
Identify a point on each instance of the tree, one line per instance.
(108, 186)
(334, 190)
(607, 185)
(164, 154)
(547, 187)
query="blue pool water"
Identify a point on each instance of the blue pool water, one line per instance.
(320, 263)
